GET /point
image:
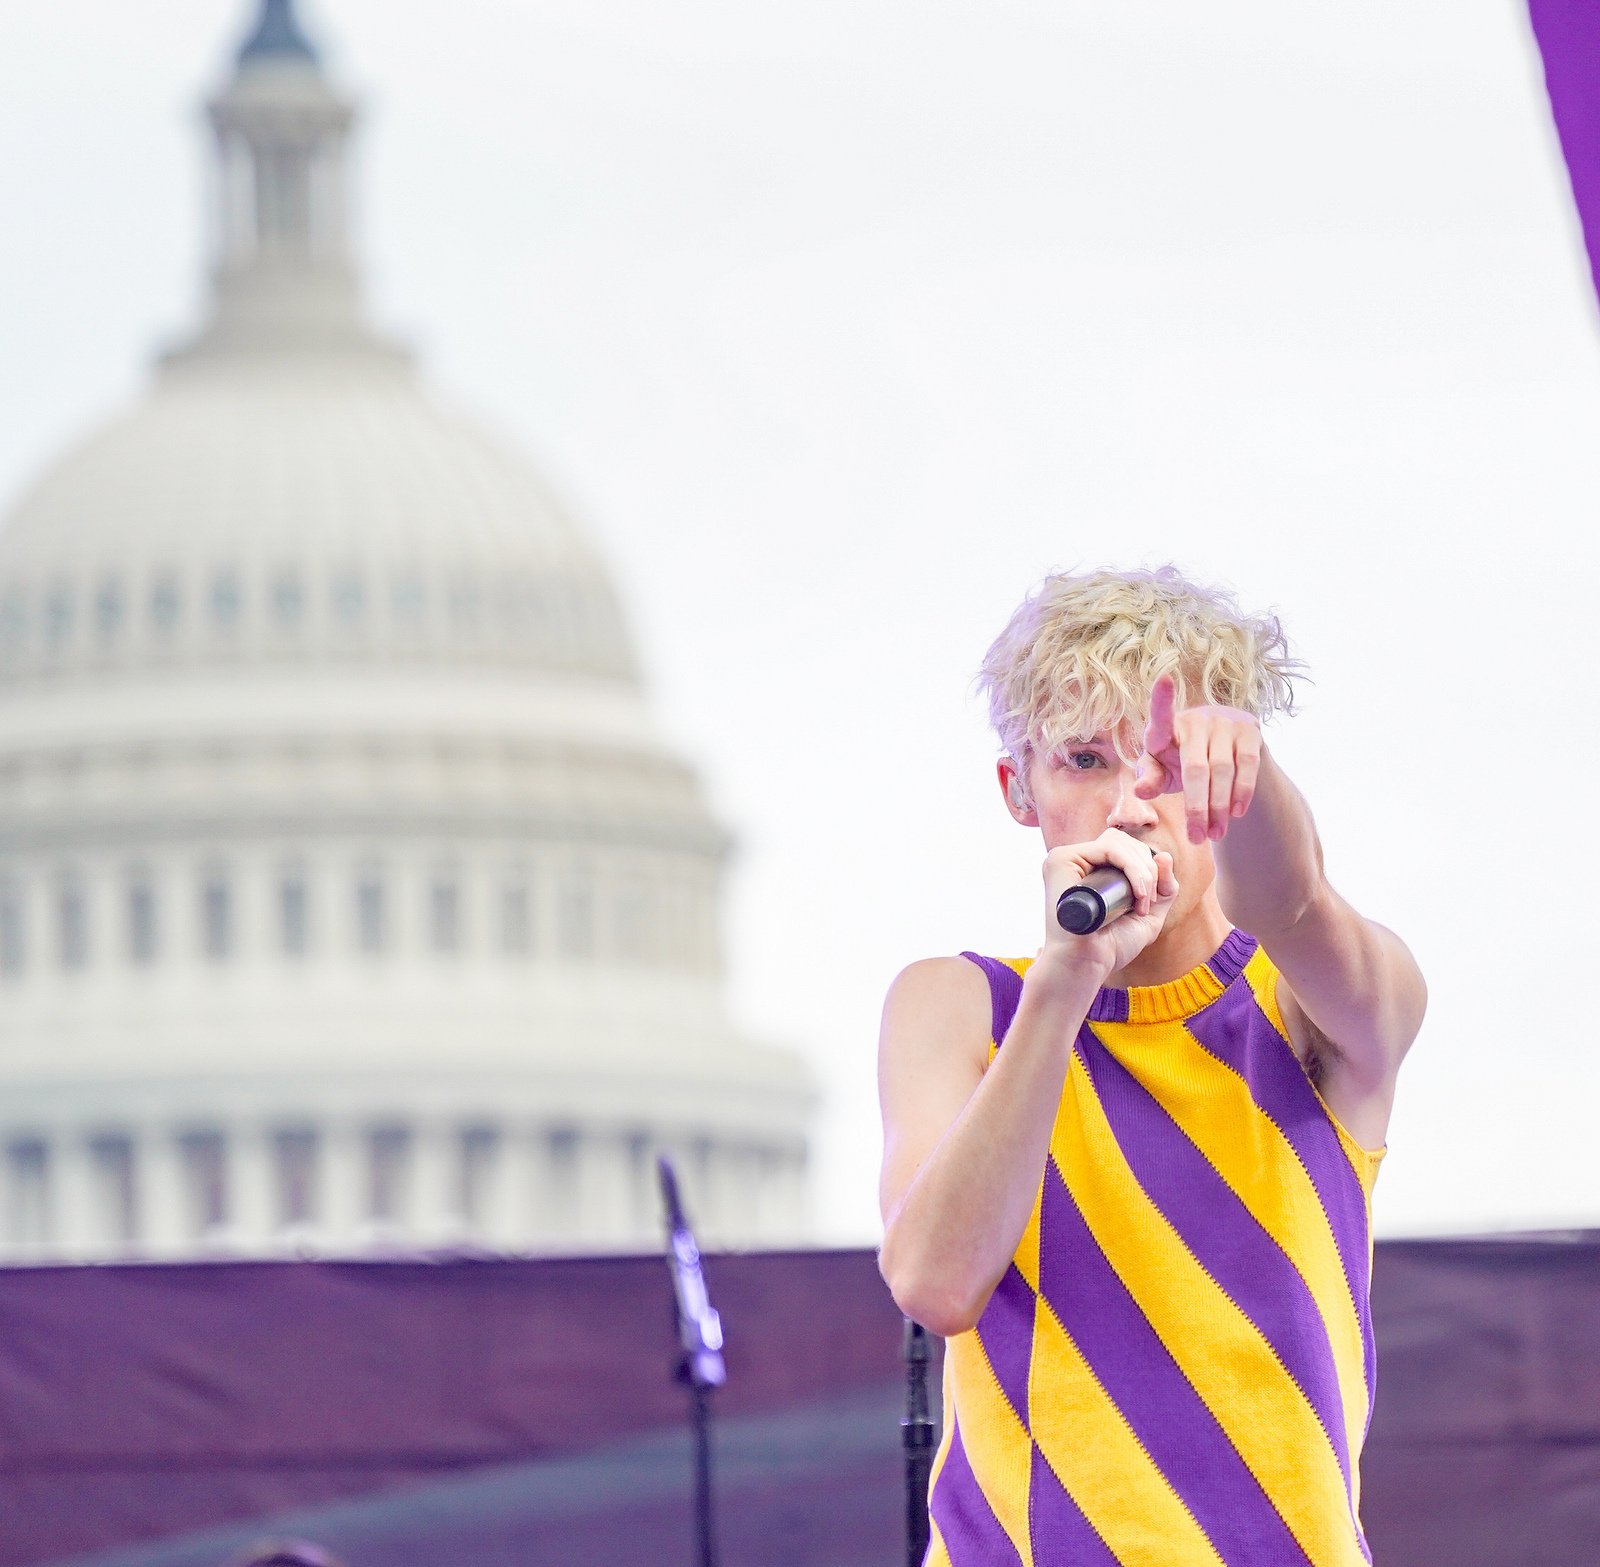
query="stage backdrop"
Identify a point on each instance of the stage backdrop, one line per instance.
(424, 1414)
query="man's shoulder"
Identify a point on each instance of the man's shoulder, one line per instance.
(939, 1003)
(948, 975)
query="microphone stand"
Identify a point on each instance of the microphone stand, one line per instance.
(916, 1437)
(699, 1364)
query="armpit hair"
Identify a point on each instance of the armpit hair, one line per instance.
(1321, 1052)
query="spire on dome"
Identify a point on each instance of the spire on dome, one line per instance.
(277, 36)
(282, 274)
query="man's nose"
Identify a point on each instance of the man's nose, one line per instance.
(1128, 812)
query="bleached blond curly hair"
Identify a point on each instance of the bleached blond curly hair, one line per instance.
(1081, 654)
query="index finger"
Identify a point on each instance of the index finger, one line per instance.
(1158, 732)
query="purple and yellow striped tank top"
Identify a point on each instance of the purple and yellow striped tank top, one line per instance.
(1177, 1368)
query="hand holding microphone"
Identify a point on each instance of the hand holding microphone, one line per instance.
(1104, 894)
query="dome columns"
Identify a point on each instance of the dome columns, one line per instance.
(336, 1185)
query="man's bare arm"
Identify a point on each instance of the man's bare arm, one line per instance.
(1354, 982)
(964, 1148)
(965, 1142)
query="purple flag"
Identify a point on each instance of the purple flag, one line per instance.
(1569, 38)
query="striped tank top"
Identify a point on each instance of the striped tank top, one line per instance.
(1177, 1368)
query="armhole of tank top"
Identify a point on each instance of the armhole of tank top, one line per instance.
(1364, 1161)
(1005, 990)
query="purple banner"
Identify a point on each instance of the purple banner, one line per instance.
(410, 1414)
(1569, 38)
(498, 1412)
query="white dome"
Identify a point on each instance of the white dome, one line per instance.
(284, 507)
(347, 895)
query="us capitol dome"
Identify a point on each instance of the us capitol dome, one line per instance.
(348, 898)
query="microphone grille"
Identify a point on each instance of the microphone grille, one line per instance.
(1080, 910)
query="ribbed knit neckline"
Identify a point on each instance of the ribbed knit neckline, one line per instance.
(1178, 998)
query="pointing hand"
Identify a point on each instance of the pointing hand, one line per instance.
(1210, 755)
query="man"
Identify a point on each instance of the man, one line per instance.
(1129, 1180)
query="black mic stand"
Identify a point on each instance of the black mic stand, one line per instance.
(916, 1436)
(699, 1364)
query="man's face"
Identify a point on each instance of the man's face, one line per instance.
(1086, 787)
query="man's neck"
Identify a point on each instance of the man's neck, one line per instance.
(1179, 948)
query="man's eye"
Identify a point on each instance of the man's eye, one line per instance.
(1083, 760)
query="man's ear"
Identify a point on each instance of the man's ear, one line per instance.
(1016, 793)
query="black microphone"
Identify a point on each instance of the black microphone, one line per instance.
(1103, 895)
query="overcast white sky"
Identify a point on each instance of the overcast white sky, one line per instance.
(847, 321)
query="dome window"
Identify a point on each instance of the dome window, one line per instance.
(164, 603)
(216, 917)
(296, 1149)
(142, 928)
(72, 925)
(30, 1192)
(349, 599)
(480, 1147)
(13, 930)
(288, 599)
(388, 1168)
(563, 1150)
(13, 622)
(577, 914)
(516, 916)
(406, 596)
(58, 615)
(294, 914)
(370, 912)
(203, 1157)
(108, 609)
(226, 600)
(111, 1170)
(631, 921)
(444, 914)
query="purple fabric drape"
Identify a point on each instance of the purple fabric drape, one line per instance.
(502, 1412)
(1569, 39)
(148, 1402)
